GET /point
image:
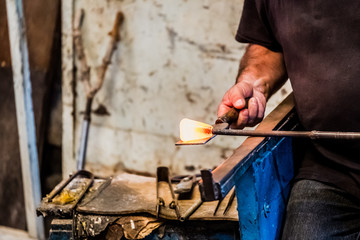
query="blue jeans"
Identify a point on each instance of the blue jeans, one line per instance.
(319, 211)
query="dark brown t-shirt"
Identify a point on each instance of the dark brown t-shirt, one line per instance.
(320, 41)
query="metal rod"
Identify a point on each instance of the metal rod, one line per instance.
(191, 210)
(299, 134)
(81, 157)
(83, 145)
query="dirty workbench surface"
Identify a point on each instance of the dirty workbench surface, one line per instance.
(134, 194)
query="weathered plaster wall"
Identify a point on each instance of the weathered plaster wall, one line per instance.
(176, 59)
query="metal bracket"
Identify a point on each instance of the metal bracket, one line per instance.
(209, 189)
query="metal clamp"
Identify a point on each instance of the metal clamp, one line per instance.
(162, 175)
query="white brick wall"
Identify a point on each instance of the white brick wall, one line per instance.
(176, 59)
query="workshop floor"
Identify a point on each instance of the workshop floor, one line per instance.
(13, 234)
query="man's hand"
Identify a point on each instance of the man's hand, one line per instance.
(261, 73)
(236, 97)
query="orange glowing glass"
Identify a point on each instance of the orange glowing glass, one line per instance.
(193, 130)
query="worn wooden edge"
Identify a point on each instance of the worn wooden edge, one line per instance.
(269, 123)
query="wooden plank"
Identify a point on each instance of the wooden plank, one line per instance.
(68, 83)
(25, 116)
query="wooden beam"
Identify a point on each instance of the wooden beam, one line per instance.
(25, 116)
(68, 88)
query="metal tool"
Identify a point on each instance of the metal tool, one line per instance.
(299, 134)
(191, 210)
(222, 124)
(85, 78)
(162, 175)
(80, 159)
(185, 185)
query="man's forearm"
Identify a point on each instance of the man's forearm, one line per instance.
(264, 67)
(261, 73)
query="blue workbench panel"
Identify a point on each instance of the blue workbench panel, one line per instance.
(262, 191)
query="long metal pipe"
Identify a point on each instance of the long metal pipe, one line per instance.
(299, 134)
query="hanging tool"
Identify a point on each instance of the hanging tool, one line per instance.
(91, 90)
(198, 133)
(162, 175)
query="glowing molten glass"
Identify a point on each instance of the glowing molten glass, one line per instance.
(193, 130)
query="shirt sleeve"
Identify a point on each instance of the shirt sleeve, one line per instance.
(254, 27)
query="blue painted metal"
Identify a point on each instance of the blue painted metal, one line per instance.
(263, 189)
(216, 183)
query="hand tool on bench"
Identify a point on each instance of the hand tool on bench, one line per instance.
(162, 175)
(198, 133)
(185, 185)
